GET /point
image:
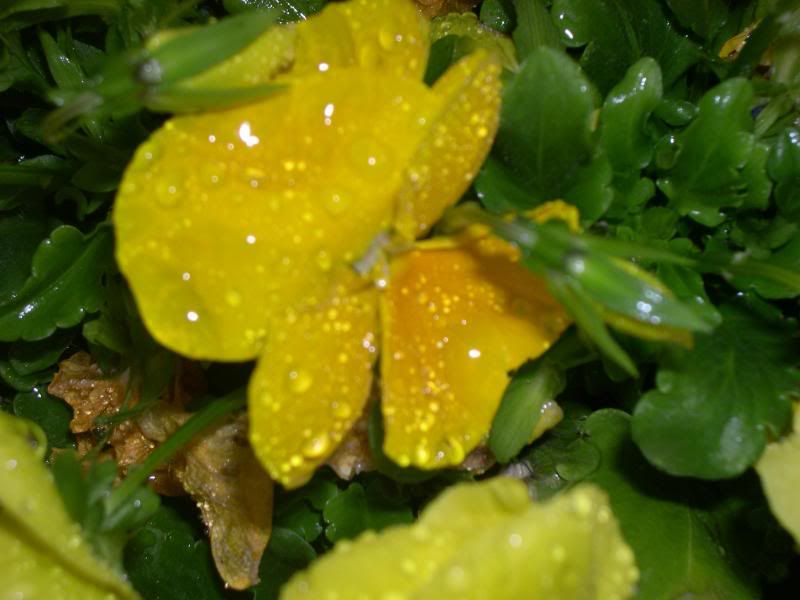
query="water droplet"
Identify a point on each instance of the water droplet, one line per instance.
(300, 381)
(317, 446)
(422, 455)
(192, 316)
(324, 260)
(515, 540)
(341, 410)
(336, 204)
(474, 353)
(233, 298)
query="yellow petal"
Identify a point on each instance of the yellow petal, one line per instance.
(312, 382)
(226, 218)
(385, 35)
(458, 140)
(455, 321)
(484, 540)
(779, 469)
(44, 555)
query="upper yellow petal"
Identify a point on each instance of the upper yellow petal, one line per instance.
(313, 380)
(224, 218)
(385, 35)
(457, 142)
(484, 540)
(455, 321)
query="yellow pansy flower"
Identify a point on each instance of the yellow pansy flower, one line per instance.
(284, 231)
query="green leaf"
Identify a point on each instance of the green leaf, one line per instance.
(65, 284)
(530, 392)
(170, 559)
(49, 413)
(545, 133)
(716, 405)
(783, 166)
(29, 357)
(534, 27)
(20, 382)
(704, 18)
(16, 14)
(286, 554)
(719, 162)
(289, 10)
(625, 115)
(617, 33)
(359, 508)
(19, 237)
(673, 537)
(498, 14)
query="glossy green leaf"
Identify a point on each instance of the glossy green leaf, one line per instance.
(49, 413)
(783, 166)
(19, 238)
(29, 357)
(719, 162)
(360, 508)
(704, 18)
(625, 115)
(498, 14)
(534, 27)
(615, 34)
(545, 133)
(715, 405)
(530, 392)
(65, 284)
(45, 555)
(673, 537)
(169, 559)
(286, 554)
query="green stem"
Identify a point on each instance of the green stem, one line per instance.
(174, 444)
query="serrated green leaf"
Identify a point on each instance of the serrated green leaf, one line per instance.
(286, 554)
(716, 404)
(358, 509)
(719, 163)
(29, 357)
(169, 559)
(617, 33)
(65, 284)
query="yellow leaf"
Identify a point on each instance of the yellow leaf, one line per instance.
(44, 555)
(484, 540)
(458, 316)
(779, 469)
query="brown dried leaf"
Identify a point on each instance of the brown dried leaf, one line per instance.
(353, 455)
(436, 8)
(82, 385)
(234, 494)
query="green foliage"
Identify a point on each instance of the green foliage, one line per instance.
(716, 405)
(614, 34)
(719, 163)
(65, 284)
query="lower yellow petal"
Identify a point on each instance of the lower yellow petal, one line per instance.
(312, 382)
(479, 541)
(456, 319)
